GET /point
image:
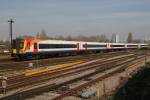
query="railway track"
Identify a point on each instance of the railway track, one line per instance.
(56, 74)
(22, 66)
(12, 67)
(80, 72)
(78, 89)
(98, 77)
(17, 77)
(4, 59)
(8, 60)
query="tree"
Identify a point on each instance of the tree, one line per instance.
(137, 41)
(38, 35)
(4, 45)
(43, 35)
(69, 38)
(130, 38)
(103, 38)
(82, 38)
(60, 37)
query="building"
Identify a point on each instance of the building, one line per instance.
(115, 38)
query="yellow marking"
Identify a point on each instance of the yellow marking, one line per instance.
(53, 68)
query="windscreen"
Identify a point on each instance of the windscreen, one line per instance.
(18, 43)
(21, 44)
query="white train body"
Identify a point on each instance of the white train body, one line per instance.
(30, 47)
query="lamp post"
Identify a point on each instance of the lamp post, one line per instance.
(10, 27)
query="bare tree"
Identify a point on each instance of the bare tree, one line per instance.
(4, 45)
(137, 41)
(103, 38)
(43, 35)
(69, 38)
(37, 35)
(60, 37)
(130, 38)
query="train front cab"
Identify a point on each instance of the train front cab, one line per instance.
(17, 47)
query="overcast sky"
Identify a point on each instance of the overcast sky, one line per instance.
(75, 17)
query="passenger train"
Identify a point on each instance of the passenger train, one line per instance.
(24, 48)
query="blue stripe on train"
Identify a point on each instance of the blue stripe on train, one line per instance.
(61, 52)
(51, 52)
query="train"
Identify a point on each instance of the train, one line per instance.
(25, 48)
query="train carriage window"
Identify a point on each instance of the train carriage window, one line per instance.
(117, 45)
(55, 46)
(132, 45)
(93, 46)
(21, 45)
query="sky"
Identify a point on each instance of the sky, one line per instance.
(76, 17)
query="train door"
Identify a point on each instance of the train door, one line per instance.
(86, 47)
(17, 46)
(108, 45)
(35, 52)
(28, 45)
(78, 46)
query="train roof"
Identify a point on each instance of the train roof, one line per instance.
(65, 41)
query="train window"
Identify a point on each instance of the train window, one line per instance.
(77, 45)
(21, 45)
(132, 45)
(93, 46)
(116, 45)
(143, 45)
(17, 43)
(35, 45)
(54, 46)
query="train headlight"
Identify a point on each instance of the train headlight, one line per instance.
(14, 51)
